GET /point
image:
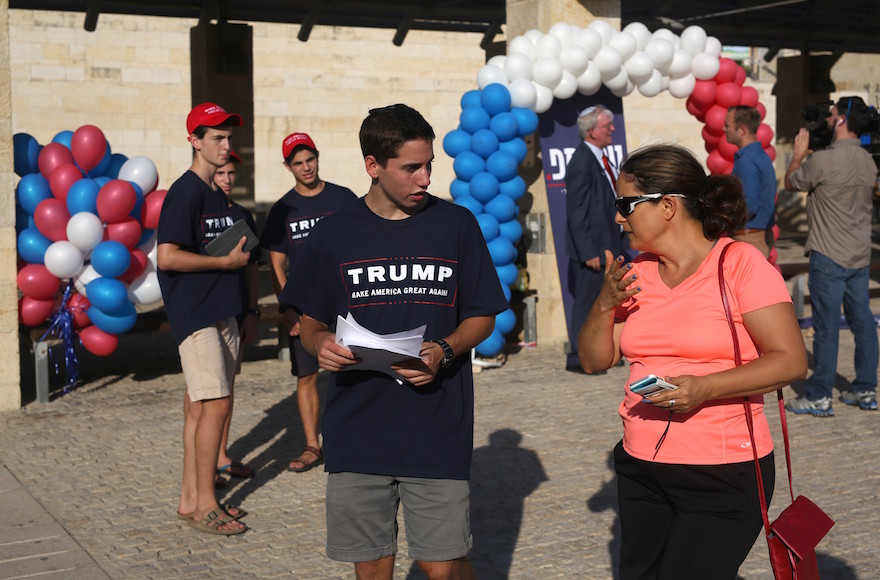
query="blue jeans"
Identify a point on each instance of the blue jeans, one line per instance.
(830, 285)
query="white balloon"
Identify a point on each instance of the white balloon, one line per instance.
(145, 289)
(705, 66)
(563, 32)
(608, 60)
(682, 87)
(547, 47)
(693, 40)
(574, 59)
(497, 60)
(625, 43)
(567, 87)
(491, 74)
(82, 279)
(547, 72)
(518, 66)
(544, 100)
(85, 230)
(142, 171)
(63, 259)
(640, 32)
(605, 30)
(624, 91)
(713, 46)
(617, 81)
(661, 52)
(681, 63)
(639, 67)
(653, 86)
(590, 81)
(665, 80)
(521, 45)
(589, 40)
(665, 34)
(523, 94)
(533, 35)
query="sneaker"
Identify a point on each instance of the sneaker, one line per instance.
(818, 408)
(866, 400)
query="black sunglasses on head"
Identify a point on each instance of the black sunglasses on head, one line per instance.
(626, 205)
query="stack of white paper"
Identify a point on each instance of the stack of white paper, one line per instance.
(377, 352)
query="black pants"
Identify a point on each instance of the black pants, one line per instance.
(585, 285)
(688, 521)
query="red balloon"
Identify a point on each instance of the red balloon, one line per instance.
(51, 156)
(79, 307)
(139, 261)
(715, 118)
(32, 312)
(62, 178)
(126, 231)
(35, 281)
(98, 342)
(152, 208)
(762, 110)
(770, 150)
(718, 165)
(728, 95)
(711, 137)
(116, 200)
(704, 94)
(51, 218)
(764, 134)
(710, 146)
(749, 97)
(740, 76)
(88, 145)
(726, 71)
(727, 150)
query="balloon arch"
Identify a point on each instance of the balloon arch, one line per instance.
(488, 145)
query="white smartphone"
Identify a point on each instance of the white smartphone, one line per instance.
(650, 384)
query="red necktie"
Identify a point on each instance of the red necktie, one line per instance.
(610, 172)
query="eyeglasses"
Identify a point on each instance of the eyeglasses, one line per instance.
(626, 205)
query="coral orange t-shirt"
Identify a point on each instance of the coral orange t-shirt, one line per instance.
(684, 331)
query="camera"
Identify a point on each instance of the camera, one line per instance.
(816, 116)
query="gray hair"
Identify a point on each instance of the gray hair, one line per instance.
(589, 118)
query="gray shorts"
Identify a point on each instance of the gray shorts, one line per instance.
(362, 517)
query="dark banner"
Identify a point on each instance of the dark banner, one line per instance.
(559, 139)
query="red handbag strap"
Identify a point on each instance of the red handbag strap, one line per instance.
(747, 404)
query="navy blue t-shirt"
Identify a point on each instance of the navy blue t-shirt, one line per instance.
(239, 212)
(292, 217)
(192, 215)
(431, 268)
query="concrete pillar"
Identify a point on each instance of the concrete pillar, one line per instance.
(523, 15)
(10, 378)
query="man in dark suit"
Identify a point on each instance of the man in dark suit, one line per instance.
(590, 181)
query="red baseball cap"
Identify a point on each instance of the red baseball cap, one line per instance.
(294, 140)
(210, 115)
(233, 156)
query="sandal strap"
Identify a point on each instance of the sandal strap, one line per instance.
(316, 452)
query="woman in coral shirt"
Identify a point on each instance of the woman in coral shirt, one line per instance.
(686, 478)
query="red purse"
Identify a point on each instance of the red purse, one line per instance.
(791, 538)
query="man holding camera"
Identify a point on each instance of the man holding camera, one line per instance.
(839, 181)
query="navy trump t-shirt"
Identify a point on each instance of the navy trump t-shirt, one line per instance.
(392, 275)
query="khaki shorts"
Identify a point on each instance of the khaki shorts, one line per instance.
(209, 357)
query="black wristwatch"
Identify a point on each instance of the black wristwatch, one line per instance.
(255, 312)
(448, 354)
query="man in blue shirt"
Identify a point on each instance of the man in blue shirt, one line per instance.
(755, 169)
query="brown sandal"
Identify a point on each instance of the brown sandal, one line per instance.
(306, 465)
(213, 521)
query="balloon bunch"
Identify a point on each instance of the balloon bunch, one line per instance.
(487, 149)
(709, 102)
(86, 216)
(539, 67)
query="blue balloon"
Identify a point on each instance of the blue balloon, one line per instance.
(508, 293)
(471, 204)
(102, 166)
(117, 323)
(145, 237)
(505, 321)
(117, 160)
(139, 201)
(502, 165)
(484, 143)
(507, 274)
(111, 259)
(484, 187)
(83, 196)
(459, 188)
(492, 345)
(511, 230)
(470, 99)
(25, 153)
(102, 181)
(501, 251)
(456, 142)
(514, 188)
(21, 219)
(468, 164)
(32, 189)
(502, 208)
(32, 245)
(516, 147)
(505, 126)
(32, 223)
(63, 137)
(489, 226)
(109, 295)
(472, 119)
(495, 98)
(526, 119)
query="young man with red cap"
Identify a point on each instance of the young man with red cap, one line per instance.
(287, 227)
(202, 298)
